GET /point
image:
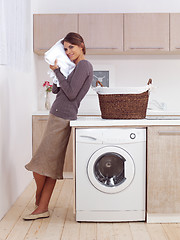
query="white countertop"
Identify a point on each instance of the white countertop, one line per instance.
(154, 118)
(99, 122)
(150, 113)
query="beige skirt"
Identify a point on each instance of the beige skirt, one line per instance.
(48, 160)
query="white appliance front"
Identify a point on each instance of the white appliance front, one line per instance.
(110, 174)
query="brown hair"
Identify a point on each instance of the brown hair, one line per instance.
(75, 39)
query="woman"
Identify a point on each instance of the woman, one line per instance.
(47, 163)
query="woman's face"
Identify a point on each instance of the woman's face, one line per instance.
(74, 52)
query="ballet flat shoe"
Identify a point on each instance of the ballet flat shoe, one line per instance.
(36, 216)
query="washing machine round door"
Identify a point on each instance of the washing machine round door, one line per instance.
(111, 169)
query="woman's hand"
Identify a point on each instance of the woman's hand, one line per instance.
(55, 66)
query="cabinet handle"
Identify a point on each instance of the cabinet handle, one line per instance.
(146, 48)
(169, 132)
(42, 119)
(101, 48)
(89, 137)
(177, 47)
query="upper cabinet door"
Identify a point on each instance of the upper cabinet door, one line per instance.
(102, 33)
(175, 32)
(146, 32)
(49, 28)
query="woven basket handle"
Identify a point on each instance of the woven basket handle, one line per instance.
(98, 82)
(150, 81)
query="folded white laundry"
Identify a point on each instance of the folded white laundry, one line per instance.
(65, 64)
(123, 90)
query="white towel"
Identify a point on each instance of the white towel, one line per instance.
(65, 64)
(122, 90)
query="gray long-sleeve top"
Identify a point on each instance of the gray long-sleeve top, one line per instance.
(72, 90)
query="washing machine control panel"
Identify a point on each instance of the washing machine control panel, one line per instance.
(111, 135)
(123, 137)
(132, 135)
(130, 138)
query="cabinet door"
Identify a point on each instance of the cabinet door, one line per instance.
(163, 170)
(39, 123)
(68, 164)
(175, 32)
(49, 28)
(103, 33)
(146, 32)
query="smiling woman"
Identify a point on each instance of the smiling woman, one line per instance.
(74, 47)
(48, 161)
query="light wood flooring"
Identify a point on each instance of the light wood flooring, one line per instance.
(62, 225)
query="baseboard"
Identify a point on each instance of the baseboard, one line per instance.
(110, 216)
(67, 174)
(163, 218)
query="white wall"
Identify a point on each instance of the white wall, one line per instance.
(101, 6)
(17, 102)
(15, 138)
(129, 71)
(136, 70)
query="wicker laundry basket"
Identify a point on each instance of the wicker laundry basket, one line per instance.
(124, 106)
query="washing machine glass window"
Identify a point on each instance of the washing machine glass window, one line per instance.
(111, 169)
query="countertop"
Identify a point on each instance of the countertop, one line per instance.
(83, 121)
(154, 118)
(150, 113)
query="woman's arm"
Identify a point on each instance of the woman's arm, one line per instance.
(74, 82)
(55, 89)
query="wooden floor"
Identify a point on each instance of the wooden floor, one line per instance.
(62, 225)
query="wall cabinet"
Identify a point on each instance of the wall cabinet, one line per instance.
(111, 33)
(49, 28)
(102, 32)
(175, 32)
(146, 32)
(163, 170)
(39, 123)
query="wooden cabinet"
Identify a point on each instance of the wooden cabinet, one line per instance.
(163, 170)
(39, 123)
(103, 33)
(49, 28)
(111, 33)
(175, 32)
(146, 32)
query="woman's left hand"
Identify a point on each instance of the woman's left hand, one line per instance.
(55, 66)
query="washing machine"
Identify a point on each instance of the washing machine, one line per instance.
(110, 175)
